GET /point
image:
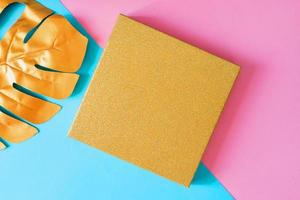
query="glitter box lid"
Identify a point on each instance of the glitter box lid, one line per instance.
(154, 101)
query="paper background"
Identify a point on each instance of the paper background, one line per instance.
(51, 166)
(255, 148)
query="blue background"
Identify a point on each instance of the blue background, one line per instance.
(53, 166)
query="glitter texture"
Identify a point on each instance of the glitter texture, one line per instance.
(154, 101)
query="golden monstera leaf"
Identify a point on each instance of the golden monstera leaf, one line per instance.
(56, 45)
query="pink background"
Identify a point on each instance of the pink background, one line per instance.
(255, 150)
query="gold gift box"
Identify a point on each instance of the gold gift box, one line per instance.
(154, 101)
